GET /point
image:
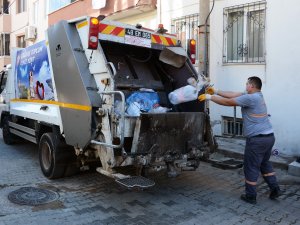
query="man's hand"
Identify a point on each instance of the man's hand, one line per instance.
(210, 90)
(204, 97)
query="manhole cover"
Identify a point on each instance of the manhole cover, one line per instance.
(32, 196)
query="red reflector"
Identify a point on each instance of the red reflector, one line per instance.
(93, 33)
(192, 50)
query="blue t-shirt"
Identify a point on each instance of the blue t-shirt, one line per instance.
(255, 116)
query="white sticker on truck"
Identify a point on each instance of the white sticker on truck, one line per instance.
(136, 37)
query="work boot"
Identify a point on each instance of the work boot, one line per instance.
(248, 198)
(275, 193)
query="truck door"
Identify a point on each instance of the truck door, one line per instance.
(3, 78)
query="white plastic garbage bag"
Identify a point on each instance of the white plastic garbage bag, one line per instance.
(183, 94)
(189, 92)
(159, 109)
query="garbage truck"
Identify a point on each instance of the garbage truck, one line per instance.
(95, 94)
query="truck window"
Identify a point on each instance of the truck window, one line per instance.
(3, 76)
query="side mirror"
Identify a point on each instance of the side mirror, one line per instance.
(3, 77)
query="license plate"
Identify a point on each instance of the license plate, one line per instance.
(137, 33)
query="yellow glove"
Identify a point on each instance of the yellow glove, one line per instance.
(204, 97)
(210, 90)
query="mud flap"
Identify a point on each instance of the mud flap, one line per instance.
(170, 133)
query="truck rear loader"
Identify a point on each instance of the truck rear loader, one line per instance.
(69, 95)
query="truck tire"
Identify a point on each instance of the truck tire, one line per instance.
(8, 137)
(51, 156)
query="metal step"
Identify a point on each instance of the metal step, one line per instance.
(136, 182)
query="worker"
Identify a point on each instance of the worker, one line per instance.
(258, 132)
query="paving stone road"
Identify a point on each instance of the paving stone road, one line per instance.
(207, 196)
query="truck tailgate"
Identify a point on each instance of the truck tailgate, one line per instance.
(170, 133)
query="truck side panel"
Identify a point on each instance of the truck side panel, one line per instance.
(74, 83)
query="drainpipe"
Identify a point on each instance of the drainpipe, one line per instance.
(206, 64)
(234, 121)
(203, 12)
(159, 11)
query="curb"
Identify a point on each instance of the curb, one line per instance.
(275, 162)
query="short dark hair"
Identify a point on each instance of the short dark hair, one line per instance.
(256, 81)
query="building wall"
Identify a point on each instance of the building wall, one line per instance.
(73, 10)
(174, 9)
(5, 27)
(281, 83)
(4, 60)
(119, 6)
(42, 23)
(5, 22)
(18, 23)
(148, 20)
(171, 9)
(137, 10)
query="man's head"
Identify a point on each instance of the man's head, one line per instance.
(253, 84)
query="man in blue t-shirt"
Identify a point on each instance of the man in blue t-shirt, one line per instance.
(258, 132)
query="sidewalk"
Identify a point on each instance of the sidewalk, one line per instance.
(234, 148)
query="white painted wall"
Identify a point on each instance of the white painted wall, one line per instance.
(280, 74)
(42, 22)
(166, 11)
(171, 9)
(18, 23)
(21, 20)
(148, 20)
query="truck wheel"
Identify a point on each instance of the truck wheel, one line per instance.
(51, 159)
(8, 137)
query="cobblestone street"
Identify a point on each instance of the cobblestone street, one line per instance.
(207, 196)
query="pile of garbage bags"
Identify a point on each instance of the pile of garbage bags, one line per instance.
(144, 100)
(147, 100)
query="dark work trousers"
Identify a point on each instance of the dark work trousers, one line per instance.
(256, 161)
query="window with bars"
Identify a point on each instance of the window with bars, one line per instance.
(231, 127)
(186, 28)
(21, 43)
(4, 7)
(244, 33)
(4, 44)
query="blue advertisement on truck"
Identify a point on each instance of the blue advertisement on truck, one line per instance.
(33, 73)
